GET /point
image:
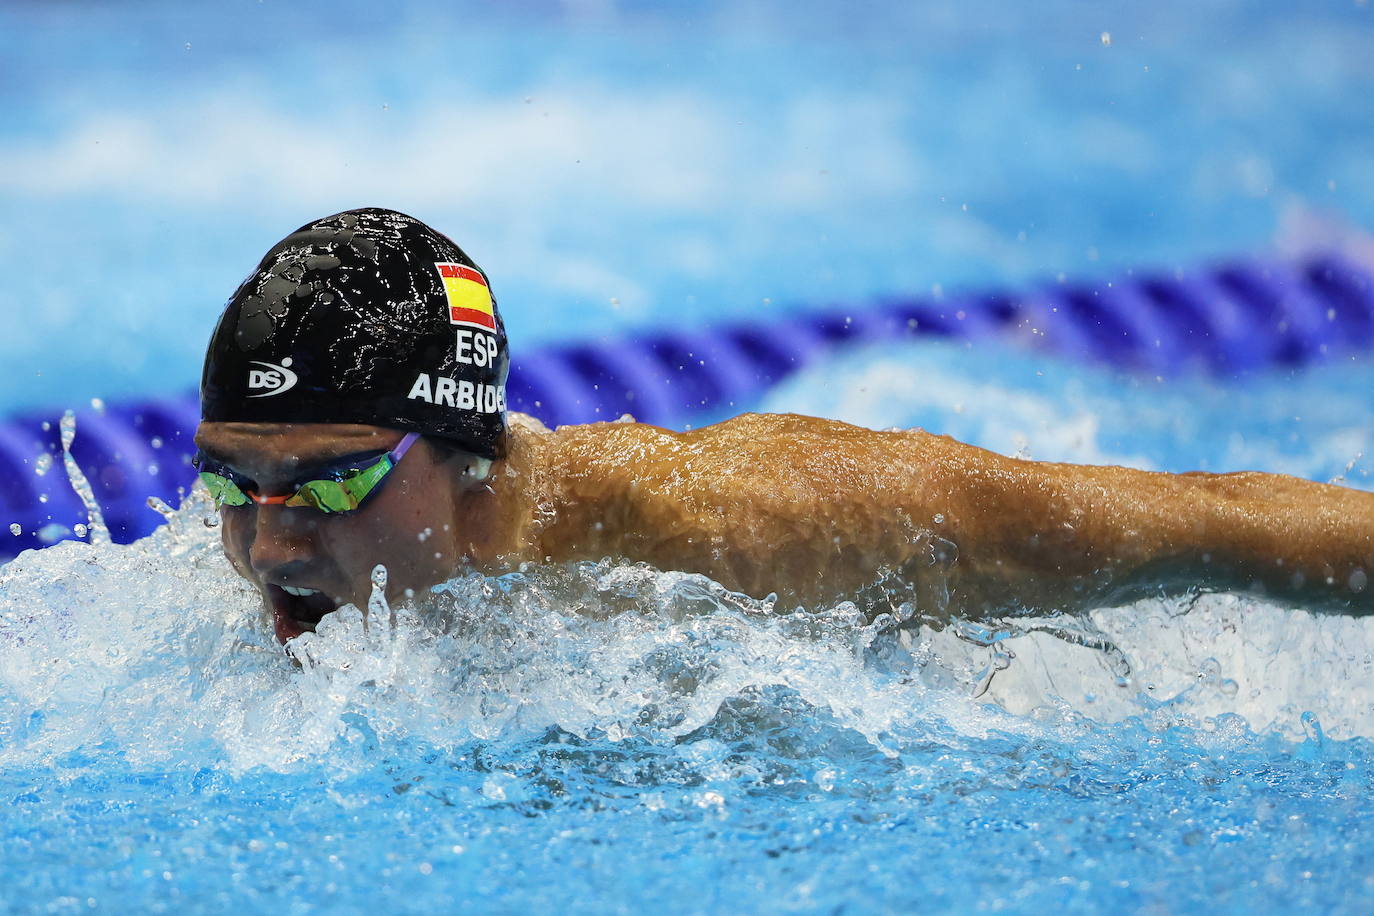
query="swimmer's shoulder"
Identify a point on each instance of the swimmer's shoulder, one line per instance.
(744, 433)
(753, 446)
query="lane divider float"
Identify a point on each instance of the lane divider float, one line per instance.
(1231, 318)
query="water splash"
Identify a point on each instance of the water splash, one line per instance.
(605, 651)
(598, 696)
(99, 533)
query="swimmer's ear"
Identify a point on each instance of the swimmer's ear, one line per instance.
(475, 468)
(478, 469)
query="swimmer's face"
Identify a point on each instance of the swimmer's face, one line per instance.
(409, 524)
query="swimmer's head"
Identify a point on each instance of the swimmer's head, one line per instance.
(368, 316)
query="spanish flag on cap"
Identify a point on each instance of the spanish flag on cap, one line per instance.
(469, 298)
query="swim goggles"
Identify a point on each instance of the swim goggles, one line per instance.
(342, 488)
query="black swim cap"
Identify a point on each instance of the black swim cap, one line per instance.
(368, 316)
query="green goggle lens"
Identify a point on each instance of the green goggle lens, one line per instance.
(223, 490)
(342, 495)
(344, 492)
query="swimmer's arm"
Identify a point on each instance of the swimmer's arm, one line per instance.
(814, 510)
(1062, 537)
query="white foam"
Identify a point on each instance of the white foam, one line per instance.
(158, 649)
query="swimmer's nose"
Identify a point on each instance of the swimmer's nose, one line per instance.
(279, 539)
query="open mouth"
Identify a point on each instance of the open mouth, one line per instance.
(296, 610)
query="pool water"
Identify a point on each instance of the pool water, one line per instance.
(619, 165)
(609, 737)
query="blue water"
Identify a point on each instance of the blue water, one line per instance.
(609, 737)
(615, 165)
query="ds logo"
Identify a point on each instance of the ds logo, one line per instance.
(275, 379)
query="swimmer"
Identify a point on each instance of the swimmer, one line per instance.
(354, 414)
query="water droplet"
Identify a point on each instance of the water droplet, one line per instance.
(67, 425)
(1312, 728)
(1106, 39)
(377, 607)
(156, 442)
(1358, 580)
(939, 518)
(79, 530)
(99, 533)
(160, 507)
(42, 464)
(16, 529)
(211, 521)
(825, 779)
(52, 532)
(188, 46)
(97, 405)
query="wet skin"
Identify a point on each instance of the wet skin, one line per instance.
(409, 524)
(812, 510)
(816, 510)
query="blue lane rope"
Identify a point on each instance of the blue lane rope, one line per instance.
(1239, 316)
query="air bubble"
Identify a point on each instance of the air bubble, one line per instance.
(16, 529)
(42, 464)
